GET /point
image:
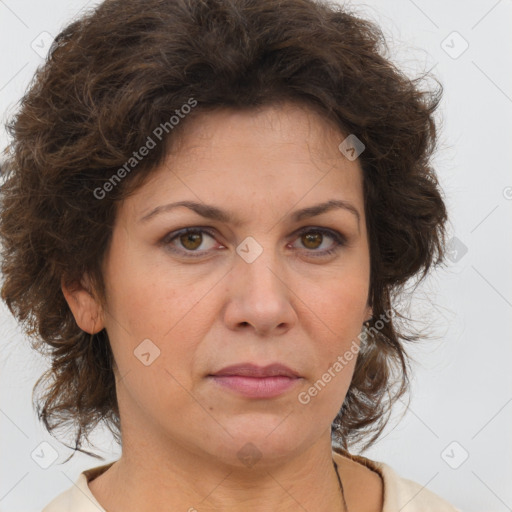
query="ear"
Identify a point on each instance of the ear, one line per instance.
(85, 308)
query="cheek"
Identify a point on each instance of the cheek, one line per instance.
(339, 305)
(146, 299)
(335, 316)
(168, 308)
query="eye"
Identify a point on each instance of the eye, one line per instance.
(188, 240)
(313, 238)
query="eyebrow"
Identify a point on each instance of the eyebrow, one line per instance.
(215, 213)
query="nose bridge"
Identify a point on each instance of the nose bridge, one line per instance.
(258, 264)
(259, 295)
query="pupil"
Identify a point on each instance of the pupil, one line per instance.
(188, 237)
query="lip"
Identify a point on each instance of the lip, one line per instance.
(254, 381)
(252, 370)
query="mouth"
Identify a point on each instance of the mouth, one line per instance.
(254, 381)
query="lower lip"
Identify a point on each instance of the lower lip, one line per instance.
(257, 387)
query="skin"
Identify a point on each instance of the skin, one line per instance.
(181, 431)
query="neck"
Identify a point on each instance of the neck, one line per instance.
(144, 479)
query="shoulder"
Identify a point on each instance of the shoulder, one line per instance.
(398, 494)
(78, 498)
(411, 496)
(363, 488)
(65, 501)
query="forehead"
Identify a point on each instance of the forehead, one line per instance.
(266, 129)
(274, 157)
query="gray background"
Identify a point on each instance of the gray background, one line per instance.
(461, 401)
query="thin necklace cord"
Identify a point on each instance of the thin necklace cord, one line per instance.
(341, 485)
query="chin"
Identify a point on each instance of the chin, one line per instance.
(261, 442)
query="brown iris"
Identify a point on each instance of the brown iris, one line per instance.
(311, 237)
(194, 239)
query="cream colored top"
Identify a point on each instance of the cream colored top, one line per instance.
(400, 494)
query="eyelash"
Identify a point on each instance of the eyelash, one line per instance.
(339, 239)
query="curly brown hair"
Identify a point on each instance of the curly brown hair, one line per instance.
(123, 69)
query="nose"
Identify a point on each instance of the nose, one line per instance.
(259, 296)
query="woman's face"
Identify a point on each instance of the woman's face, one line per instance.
(244, 288)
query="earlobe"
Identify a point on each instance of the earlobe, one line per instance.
(83, 305)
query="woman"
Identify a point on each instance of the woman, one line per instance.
(210, 208)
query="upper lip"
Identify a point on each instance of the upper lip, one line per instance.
(252, 370)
